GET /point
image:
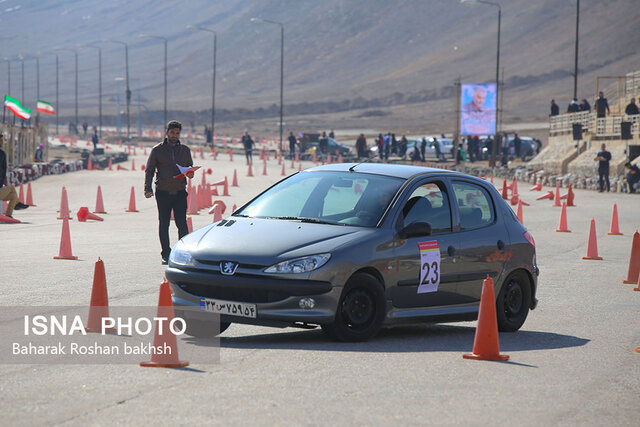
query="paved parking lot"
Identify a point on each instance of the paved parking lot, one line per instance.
(572, 363)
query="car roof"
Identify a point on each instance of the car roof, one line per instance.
(398, 171)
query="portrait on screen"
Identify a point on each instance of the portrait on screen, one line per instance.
(478, 116)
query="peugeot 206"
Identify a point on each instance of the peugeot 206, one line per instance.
(355, 247)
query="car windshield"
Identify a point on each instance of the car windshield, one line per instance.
(328, 197)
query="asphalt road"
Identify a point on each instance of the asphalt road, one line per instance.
(573, 362)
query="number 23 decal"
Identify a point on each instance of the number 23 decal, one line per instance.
(429, 266)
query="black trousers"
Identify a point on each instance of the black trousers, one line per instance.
(603, 175)
(166, 203)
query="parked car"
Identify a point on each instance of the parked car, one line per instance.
(333, 147)
(529, 148)
(446, 147)
(354, 247)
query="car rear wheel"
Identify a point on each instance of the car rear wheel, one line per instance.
(360, 311)
(514, 300)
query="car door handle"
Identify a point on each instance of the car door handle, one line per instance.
(451, 251)
(500, 245)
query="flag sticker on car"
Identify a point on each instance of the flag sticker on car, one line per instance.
(429, 266)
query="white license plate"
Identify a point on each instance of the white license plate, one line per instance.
(230, 308)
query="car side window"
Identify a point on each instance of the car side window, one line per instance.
(474, 204)
(429, 203)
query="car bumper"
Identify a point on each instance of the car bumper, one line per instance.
(277, 301)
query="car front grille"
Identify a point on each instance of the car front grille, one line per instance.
(233, 294)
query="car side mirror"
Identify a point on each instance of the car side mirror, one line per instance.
(415, 229)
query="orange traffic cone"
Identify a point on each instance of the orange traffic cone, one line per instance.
(570, 196)
(83, 215)
(592, 248)
(282, 172)
(557, 204)
(64, 205)
(562, 226)
(132, 202)
(21, 194)
(89, 164)
(190, 225)
(614, 230)
(99, 205)
(249, 172)
(234, 183)
(8, 220)
(505, 190)
(547, 195)
(216, 210)
(519, 212)
(29, 195)
(486, 345)
(99, 307)
(299, 166)
(234, 208)
(110, 163)
(166, 339)
(230, 155)
(133, 164)
(634, 260)
(514, 200)
(637, 288)
(225, 188)
(65, 243)
(514, 187)
(264, 168)
(537, 187)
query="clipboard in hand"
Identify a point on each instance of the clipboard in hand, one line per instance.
(185, 170)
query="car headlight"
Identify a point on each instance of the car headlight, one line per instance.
(180, 256)
(300, 265)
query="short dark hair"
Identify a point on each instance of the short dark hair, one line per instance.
(174, 124)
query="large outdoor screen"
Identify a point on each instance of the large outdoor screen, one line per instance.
(478, 116)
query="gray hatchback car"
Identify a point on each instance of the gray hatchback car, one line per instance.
(354, 247)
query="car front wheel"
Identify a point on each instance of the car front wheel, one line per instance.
(360, 311)
(514, 300)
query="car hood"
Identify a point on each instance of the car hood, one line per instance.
(265, 242)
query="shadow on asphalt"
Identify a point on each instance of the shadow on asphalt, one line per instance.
(403, 339)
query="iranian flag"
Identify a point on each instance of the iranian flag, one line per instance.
(45, 107)
(17, 109)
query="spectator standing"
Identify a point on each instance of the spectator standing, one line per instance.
(585, 106)
(517, 145)
(361, 146)
(94, 140)
(292, 145)
(332, 135)
(394, 144)
(602, 106)
(248, 144)
(631, 108)
(402, 146)
(39, 153)
(633, 176)
(380, 142)
(423, 149)
(573, 106)
(85, 126)
(387, 145)
(603, 159)
(323, 145)
(171, 194)
(555, 110)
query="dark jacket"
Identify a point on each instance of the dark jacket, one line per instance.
(3, 167)
(555, 110)
(602, 107)
(631, 110)
(163, 159)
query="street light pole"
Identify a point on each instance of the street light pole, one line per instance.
(146, 36)
(8, 75)
(213, 94)
(99, 85)
(128, 91)
(21, 59)
(494, 149)
(575, 72)
(75, 52)
(258, 20)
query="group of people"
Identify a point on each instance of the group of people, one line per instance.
(601, 107)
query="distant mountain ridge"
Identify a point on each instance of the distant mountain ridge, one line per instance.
(343, 54)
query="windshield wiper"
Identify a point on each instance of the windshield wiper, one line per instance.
(304, 219)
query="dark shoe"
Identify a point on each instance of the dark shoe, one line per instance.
(165, 260)
(20, 206)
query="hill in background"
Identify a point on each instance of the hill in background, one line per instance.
(390, 63)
